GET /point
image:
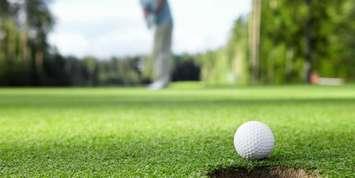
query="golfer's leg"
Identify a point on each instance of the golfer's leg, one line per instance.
(158, 45)
(163, 63)
(167, 65)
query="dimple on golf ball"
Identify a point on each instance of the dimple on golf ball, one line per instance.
(254, 140)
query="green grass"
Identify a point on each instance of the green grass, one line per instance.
(183, 131)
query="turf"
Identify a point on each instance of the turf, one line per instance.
(179, 132)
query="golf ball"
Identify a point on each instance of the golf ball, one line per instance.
(254, 140)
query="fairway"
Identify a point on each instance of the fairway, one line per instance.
(179, 132)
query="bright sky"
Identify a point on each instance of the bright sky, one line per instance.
(106, 28)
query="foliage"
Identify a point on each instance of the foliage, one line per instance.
(13, 66)
(292, 42)
(24, 26)
(27, 59)
(91, 71)
(185, 68)
(296, 37)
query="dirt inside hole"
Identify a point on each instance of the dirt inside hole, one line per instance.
(277, 172)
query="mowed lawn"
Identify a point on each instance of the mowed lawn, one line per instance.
(179, 132)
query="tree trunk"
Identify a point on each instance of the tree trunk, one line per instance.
(254, 40)
(308, 30)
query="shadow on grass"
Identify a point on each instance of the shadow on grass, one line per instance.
(262, 172)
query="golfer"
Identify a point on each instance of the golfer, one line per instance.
(158, 18)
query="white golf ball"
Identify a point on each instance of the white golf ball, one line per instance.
(254, 140)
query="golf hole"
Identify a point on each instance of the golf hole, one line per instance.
(276, 172)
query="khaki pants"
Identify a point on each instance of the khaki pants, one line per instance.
(162, 57)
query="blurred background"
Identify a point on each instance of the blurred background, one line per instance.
(224, 42)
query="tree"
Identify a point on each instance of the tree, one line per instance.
(40, 22)
(309, 41)
(24, 26)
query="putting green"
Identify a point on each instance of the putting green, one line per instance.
(182, 131)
